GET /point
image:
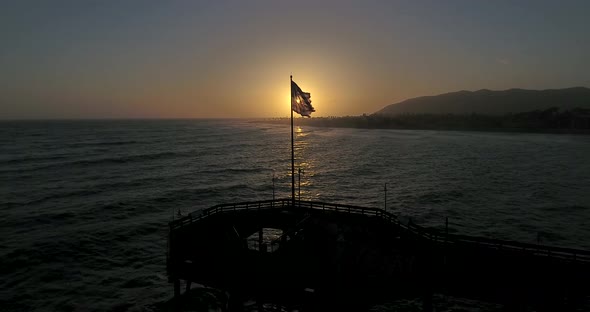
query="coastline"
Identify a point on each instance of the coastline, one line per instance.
(364, 122)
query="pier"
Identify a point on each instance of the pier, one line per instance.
(329, 254)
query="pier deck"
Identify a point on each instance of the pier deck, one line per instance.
(329, 250)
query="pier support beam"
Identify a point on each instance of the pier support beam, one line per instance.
(260, 240)
(427, 302)
(176, 288)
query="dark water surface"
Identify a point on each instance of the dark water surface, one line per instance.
(85, 204)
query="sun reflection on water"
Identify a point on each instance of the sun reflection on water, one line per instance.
(304, 161)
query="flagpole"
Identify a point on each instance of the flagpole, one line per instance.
(292, 149)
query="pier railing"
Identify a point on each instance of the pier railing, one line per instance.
(283, 203)
(502, 245)
(432, 236)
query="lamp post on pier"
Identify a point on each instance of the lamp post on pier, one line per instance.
(299, 184)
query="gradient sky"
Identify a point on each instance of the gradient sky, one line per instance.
(162, 59)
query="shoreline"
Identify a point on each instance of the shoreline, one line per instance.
(344, 122)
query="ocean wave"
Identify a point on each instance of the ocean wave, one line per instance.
(124, 159)
(104, 143)
(69, 194)
(217, 170)
(90, 190)
(438, 197)
(101, 161)
(33, 159)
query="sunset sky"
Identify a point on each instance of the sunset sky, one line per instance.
(210, 59)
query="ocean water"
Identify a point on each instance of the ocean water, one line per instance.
(85, 204)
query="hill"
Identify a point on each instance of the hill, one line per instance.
(492, 102)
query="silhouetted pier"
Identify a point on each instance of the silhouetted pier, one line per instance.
(330, 254)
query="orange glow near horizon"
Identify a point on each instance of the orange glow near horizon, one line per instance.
(210, 59)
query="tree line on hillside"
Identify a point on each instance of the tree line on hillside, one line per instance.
(537, 120)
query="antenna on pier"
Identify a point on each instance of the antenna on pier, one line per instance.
(273, 184)
(385, 199)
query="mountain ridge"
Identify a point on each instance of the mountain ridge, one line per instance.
(492, 102)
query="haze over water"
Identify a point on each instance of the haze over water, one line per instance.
(85, 204)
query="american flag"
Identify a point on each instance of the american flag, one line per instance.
(301, 101)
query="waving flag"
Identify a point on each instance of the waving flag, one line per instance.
(300, 101)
